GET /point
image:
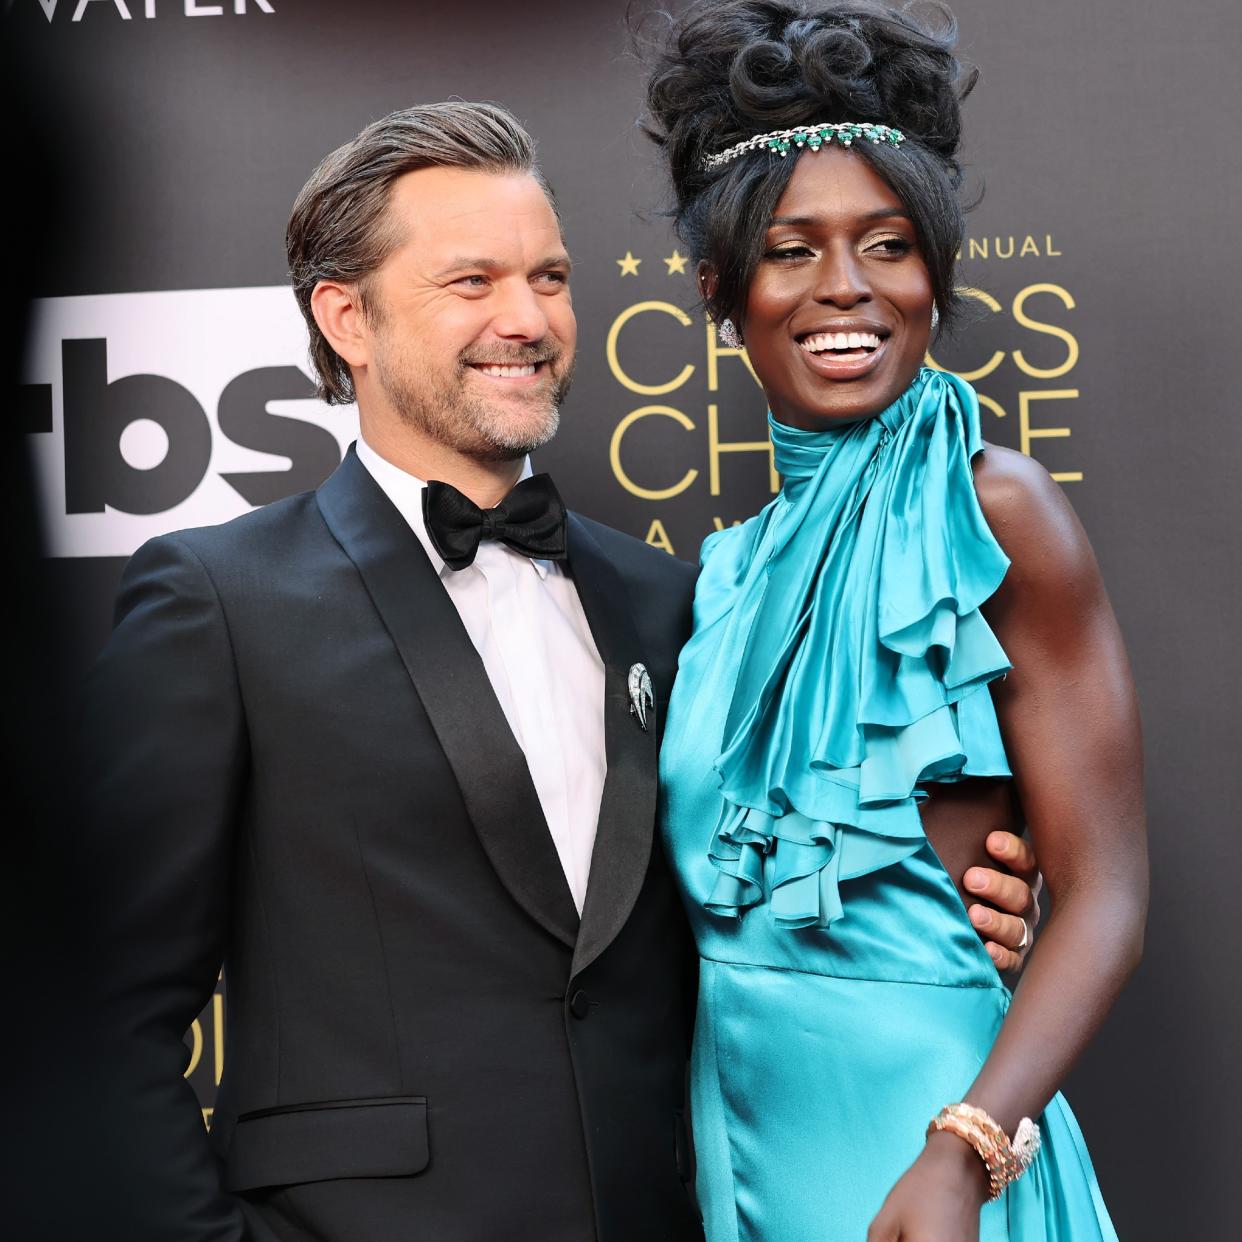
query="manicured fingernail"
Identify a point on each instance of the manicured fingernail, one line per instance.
(994, 953)
(999, 842)
(975, 879)
(980, 917)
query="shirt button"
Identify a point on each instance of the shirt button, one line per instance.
(580, 1004)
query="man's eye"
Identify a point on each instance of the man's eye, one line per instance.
(554, 278)
(473, 282)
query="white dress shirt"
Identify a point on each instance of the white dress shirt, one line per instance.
(526, 622)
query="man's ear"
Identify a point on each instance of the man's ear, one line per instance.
(338, 312)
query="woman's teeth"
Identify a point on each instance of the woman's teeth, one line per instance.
(506, 372)
(822, 341)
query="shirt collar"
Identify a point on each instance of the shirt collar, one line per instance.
(405, 490)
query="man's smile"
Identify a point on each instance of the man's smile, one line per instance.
(520, 372)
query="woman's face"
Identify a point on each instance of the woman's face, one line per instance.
(838, 314)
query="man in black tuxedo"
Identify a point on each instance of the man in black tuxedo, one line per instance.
(387, 751)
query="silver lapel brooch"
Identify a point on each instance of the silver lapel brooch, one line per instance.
(641, 698)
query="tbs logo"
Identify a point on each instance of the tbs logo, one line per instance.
(150, 412)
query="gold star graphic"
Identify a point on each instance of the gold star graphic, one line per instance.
(628, 265)
(676, 263)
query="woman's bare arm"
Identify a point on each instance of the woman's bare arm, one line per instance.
(1070, 723)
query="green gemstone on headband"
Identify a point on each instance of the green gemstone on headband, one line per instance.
(782, 141)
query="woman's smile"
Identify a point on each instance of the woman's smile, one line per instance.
(844, 349)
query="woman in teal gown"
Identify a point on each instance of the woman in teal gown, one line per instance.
(908, 642)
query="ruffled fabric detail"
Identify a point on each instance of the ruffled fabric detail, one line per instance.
(855, 601)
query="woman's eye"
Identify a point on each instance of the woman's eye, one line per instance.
(789, 252)
(893, 245)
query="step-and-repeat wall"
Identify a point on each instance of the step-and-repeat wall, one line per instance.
(165, 383)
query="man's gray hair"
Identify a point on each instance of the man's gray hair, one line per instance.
(338, 230)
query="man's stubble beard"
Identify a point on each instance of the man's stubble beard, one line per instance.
(440, 407)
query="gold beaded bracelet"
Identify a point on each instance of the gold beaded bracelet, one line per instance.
(1004, 1160)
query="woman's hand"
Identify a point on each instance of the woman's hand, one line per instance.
(938, 1197)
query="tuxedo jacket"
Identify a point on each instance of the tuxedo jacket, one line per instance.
(297, 769)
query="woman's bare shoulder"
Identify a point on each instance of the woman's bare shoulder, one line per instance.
(1053, 574)
(1030, 516)
(1013, 487)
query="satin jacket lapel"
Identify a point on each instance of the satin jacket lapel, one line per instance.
(455, 691)
(627, 809)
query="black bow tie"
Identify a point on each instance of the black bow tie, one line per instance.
(530, 520)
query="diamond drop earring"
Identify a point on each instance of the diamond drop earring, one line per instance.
(935, 322)
(728, 335)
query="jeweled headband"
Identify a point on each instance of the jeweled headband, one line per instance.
(782, 141)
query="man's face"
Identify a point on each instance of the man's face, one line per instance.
(470, 325)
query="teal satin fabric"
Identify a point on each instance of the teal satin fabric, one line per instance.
(840, 663)
(875, 557)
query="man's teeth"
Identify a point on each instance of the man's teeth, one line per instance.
(506, 372)
(840, 340)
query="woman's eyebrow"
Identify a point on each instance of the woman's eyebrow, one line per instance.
(895, 212)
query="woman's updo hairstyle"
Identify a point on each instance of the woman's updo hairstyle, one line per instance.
(731, 69)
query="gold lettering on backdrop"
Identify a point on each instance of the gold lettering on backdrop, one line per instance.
(1027, 433)
(716, 447)
(614, 453)
(968, 291)
(1049, 329)
(1006, 246)
(989, 403)
(716, 351)
(198, 1042)
(217, 1033)
(657, 537)
(614, 363)
(656, 373)
(196, 1047)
